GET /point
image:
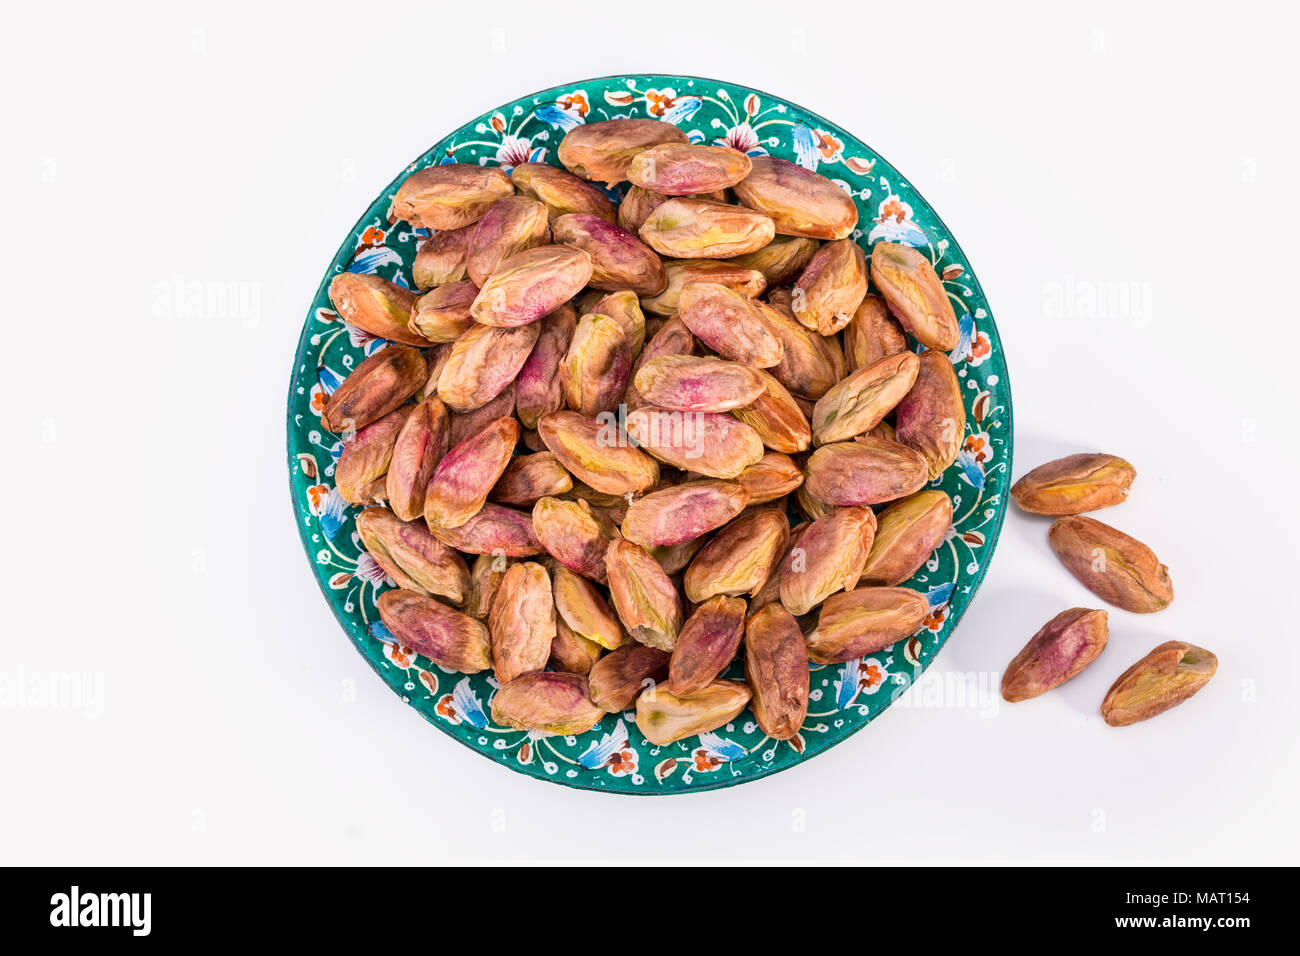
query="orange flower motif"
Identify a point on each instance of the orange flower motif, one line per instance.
(657, 103)
(870, 676)
(706, 763)
(319, 400)
(445, 708)
(498, 122)
(894, 209)
(575, 100)
(978, 445)
(399, 655)
(373, 236)
(980, 348)
(828, 145)
(934, 620)
(317, 494)
(622, 762)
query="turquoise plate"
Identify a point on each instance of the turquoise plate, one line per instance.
(614, 756)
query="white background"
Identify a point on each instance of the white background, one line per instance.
(150, 542)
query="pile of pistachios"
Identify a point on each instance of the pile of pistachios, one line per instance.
(1121, 571)
(579, 450)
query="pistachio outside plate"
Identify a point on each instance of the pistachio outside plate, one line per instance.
(614, 756)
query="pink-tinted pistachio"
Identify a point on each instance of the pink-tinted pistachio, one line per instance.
(450, 195)
(571, 652)
(619, 260)
(462, 479)
(907, 532)
(602, 151)
(740, 558)
(618, 678)
(482, 363)
(560, 191)
(413, 557)
(663, 717)
(574, 534)
(368, 455)
(776, 669)
(595, 370)
(770, 590)
(872, 334)
(771, 477)
(485, 576)
(712, 444)
(915, 294)
(703, 229)
(445, 636)
(437, 356)
(546, 701)
(537, 389)
(441, 258)
(376, 387)
(706, 644)
(420, 445)
(375, 305)
(442, 314)
(580, 606)
(692, 383)
(781, 260)
(1061, 649)
(931, 417)
(636, 207)
(531, 284)
(800, 202)
(858, 403)
(682, 272)
(495, 530)
(673, 338)
(676, 169)
(776, 417)
(530, 477)
(522, 622)
(683, 512)
(865, 621)
(624, 308)
(464, 424)
(598, 454)
(831, 287)
(674, 558)
(810, 363)
(644, 597)
(731, 324)
(512, 225)
(829, 557)
(866, 471)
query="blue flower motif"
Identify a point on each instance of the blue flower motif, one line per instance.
(381, 633)
(721, 747)
(805, 147)
(332, 514)
(970, 469)
(684, 109)
(369, 261)
(328, 378)
(557, 117)
(598, 754)
(937, 597)
(468, 705)
(965, 335)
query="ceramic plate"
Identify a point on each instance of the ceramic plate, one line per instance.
(614, 756)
